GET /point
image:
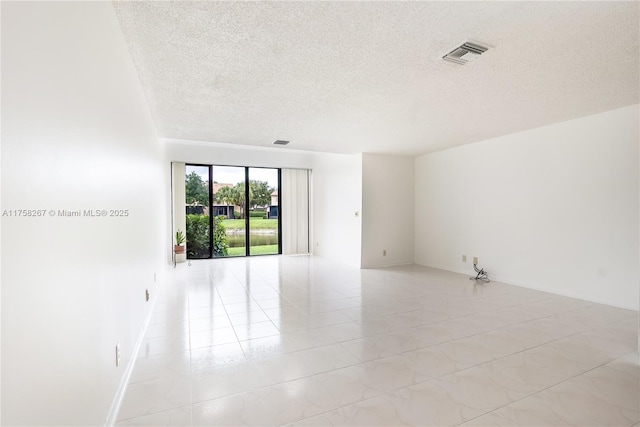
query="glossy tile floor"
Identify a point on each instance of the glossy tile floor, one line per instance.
(299, 340)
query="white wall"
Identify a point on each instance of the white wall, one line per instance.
(210, 153)
(76, 134)
(337, 206)
(553, 208)
(387, 210)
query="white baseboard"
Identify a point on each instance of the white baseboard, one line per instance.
(391, 264)
(112, 417)
(508, 281)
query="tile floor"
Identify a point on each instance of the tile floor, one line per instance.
(302, 341)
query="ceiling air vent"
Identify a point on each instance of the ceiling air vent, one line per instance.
(280, 142)
(465, 53)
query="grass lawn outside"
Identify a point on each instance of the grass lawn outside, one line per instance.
(255, 250)
(256, 224)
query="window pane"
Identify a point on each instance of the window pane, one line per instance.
(263, 211)
(229, 205)
(197, 210)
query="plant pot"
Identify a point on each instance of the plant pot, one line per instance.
(179, 249)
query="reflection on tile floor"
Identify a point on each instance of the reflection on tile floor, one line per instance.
(303, 341)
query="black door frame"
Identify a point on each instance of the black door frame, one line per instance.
(247, 237)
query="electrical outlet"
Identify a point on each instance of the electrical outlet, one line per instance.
(384, 252)
(117, 354)
(475, 260)
(464, 258)
(146, 295)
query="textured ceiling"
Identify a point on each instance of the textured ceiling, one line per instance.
(366, 76)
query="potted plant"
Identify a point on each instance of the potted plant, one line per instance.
(179, 247)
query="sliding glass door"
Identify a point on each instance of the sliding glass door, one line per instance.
(197, 202)
(232, 211)
(264, 218)
(229, 226)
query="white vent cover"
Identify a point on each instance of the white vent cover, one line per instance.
(465, 53)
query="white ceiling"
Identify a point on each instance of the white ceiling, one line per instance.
(366, 76)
